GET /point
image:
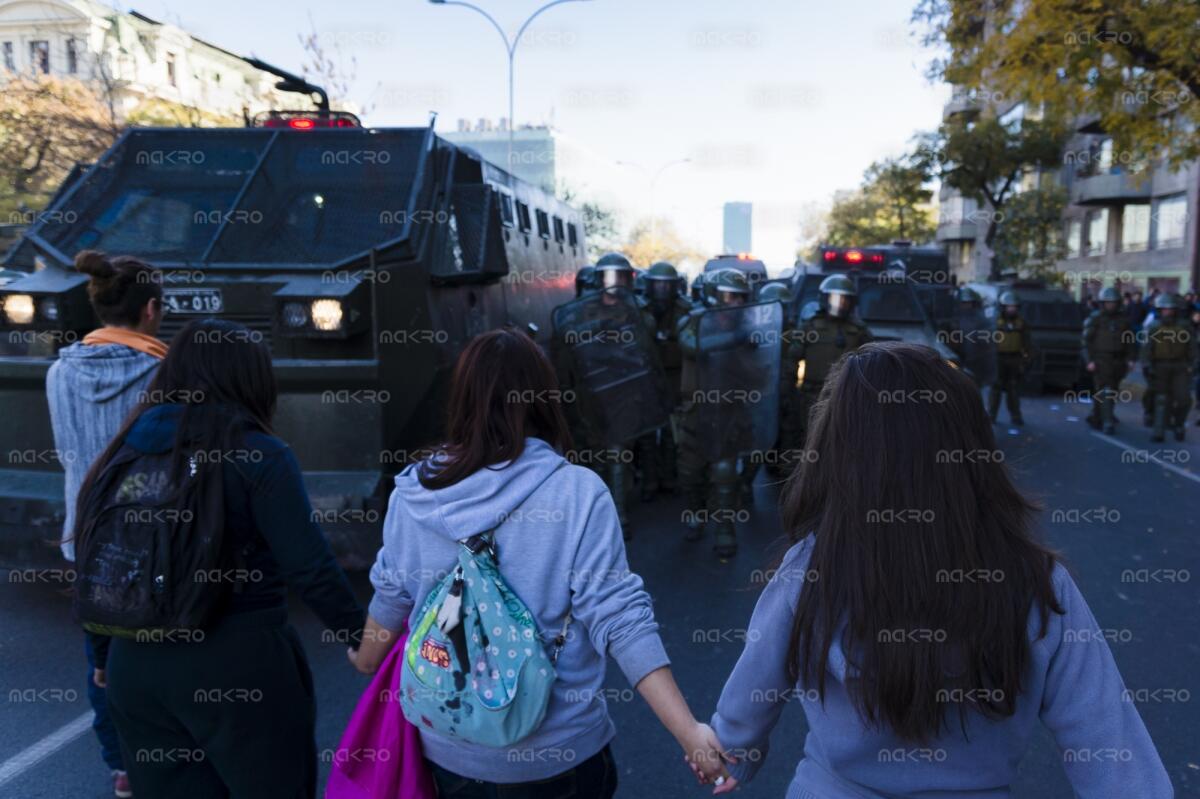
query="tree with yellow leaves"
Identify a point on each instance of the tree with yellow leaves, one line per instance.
(1130, 65)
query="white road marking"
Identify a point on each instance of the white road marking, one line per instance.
(26, 759)
(1195, 478)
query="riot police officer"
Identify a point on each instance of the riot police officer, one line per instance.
(1169, 354)
(1109, 349)
(826, 332)
(1014, 349)
(667, 306)
(971, 336)
(711, 489)
(605, 324)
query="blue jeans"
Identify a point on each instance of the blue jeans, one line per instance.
(102, 723)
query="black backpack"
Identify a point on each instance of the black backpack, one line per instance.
(152, 559)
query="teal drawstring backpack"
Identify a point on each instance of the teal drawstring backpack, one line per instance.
(474, 666)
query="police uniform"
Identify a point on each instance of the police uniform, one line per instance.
(666, 307)
(1169, 354)
(1014, 348)
(612, 271)
(711, 489)
(1109, 346)
(825, 335)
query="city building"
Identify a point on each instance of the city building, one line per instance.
(1127, 225)
(135, 61)
(739, 227)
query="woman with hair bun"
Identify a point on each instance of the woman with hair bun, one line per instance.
(91, 388)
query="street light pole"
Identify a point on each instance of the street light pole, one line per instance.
(510, 47)
(653, 189)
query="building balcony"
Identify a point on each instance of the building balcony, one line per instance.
(1111, 189)
(961, 104)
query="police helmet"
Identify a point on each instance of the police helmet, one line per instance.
(1109, 294)
(1164, 301)
(839, 284)
(615, 271)
(662, 281)
(614, 259)
(839, 293)
(1008, 297)
(777, 292)
(967, 294)
(727, 286)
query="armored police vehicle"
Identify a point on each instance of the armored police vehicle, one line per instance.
(364, 258)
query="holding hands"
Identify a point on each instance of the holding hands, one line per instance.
(707, 758)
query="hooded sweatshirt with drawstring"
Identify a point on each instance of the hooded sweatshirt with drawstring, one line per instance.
(91, 389)
(560, 549)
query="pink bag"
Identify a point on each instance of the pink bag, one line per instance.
(379, 756)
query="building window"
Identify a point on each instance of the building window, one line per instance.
(572, 235)
(1097, 232)
(1074, 238)
(523, 217)
(72, 57)
(1135, 227)
(10, 61)
(506, 208)
(559, 233)
(543, 220)
(1171, 221)
(171, 79)
(39, 57)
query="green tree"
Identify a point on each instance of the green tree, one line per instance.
(987, 160)
(892, 203)
(1029, 237)
(1131, 64)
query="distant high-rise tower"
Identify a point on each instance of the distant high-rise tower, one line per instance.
(739, 227)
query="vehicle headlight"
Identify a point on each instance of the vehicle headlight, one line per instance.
(48, 309)
(295, 314)
(327, 315)
(19, 309)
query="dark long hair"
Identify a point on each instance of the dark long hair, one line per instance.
(220, 373)
(502, 390)
(119, 287)
(923, 549)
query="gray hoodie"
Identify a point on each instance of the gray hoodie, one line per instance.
(1072, 687)
(560, 549)
(91, 389)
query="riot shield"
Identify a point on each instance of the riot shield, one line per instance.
(612, 367)
(976, 346)
(738, 359)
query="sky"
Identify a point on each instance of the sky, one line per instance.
(776, 102)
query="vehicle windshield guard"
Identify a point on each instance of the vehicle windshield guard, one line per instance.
(888, 302)
(193, 197)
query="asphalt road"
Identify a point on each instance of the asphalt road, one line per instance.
(1124, 513)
